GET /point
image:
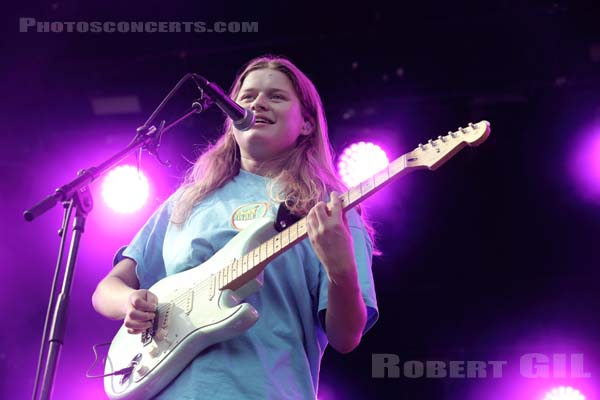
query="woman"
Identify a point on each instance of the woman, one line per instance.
(320, 291)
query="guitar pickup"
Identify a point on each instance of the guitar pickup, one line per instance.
(188, 303)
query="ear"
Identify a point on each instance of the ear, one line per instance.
(307, 127)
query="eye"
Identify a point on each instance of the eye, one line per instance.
(246, 97)
(277, 97)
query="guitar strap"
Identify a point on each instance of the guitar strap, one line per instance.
(284, 218)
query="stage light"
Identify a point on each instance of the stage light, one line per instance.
(564, 393)
(125, 189)
(359, 161)
(584, 165)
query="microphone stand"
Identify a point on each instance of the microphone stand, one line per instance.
(76, 195)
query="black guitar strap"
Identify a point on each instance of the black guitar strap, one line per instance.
(285, 218)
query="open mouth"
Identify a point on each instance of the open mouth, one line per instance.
(262, 121)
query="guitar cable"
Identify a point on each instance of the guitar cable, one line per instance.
(123, 371)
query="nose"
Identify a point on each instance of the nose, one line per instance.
(259, 103)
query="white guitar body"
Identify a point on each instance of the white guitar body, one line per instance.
(193, 315)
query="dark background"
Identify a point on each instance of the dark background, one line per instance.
(491, 257)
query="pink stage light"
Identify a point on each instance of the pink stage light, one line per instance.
(125, 189)
(564, 393)
(585, 165)
(359, 161)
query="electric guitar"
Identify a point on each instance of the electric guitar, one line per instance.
(203, 305)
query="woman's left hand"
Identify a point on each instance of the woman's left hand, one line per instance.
(331, 239)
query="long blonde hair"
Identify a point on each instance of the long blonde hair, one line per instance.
(308, 173)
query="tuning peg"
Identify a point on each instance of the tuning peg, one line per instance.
(421, 146)
(453, 134)
(442, 138)
(432, 143)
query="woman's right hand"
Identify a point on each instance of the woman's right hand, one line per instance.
(140, 311)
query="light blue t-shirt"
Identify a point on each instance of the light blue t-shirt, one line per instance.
(278, 357)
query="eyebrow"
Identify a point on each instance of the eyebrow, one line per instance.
(271, 90)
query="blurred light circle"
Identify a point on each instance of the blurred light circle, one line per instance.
(585, 166)
(360, 161)
(564, 393)
(125, 189)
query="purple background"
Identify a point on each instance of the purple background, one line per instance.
(490, 257)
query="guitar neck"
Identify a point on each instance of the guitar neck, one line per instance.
(429, 156)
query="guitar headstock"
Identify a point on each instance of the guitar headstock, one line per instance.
(437, 151)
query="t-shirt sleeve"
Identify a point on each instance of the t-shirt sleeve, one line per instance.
(363, 251)
(146, 248)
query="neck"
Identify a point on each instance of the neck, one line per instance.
(262, 167)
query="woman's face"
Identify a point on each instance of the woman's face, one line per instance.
(271, 97)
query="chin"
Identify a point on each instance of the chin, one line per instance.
(252, 135)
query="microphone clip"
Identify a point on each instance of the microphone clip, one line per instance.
(202, 103)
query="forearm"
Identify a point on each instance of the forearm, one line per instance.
(346, 317)
(110, 297)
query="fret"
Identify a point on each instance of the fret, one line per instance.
(345, 199)
(220, 278)
(301, 227)
(293, 232)
(277, 243)
(285, 238)
(251, 262)
(353, 195)
(245, 263)
(397, 165)
(382, 176)
(269, 248)
(263, 251)
(225, 275)
(234, 270)
(367, 186)
(256, 256)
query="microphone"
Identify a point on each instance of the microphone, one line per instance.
(243, 119)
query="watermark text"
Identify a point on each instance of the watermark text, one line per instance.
(531, 365)
(31, 25)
